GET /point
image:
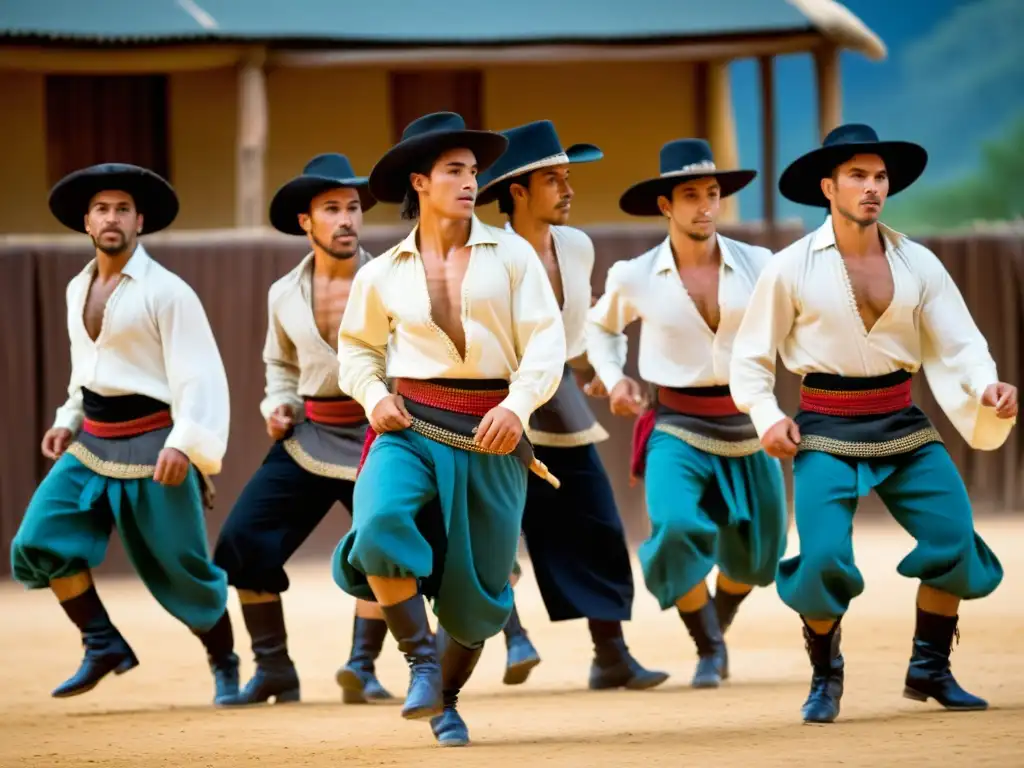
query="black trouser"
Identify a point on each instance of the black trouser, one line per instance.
(575, 538)
(275, 513)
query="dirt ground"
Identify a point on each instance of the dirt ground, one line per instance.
(160, 715)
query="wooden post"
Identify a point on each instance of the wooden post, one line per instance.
(766, 69)
(722, 130)
(251, 146)
(830, 101)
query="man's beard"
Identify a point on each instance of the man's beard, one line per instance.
(337, 253)
(861, 221)
(111, 250)
(700, 237)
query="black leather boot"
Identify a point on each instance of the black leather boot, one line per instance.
(827, 676)
(457, 664)
(275, 677)
(521, 655)
(613, 665)
(407, 622)
(712, 657)
(358, 678)
(929, 675)
(726, 606)
(219, 642)
(106, 650)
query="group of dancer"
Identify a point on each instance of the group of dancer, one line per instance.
(439, 392)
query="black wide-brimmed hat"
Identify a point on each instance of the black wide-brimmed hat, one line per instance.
(530, 147)
(323, 172)
(427, 135)
(681, 160)
(154, 198)
(801, 181)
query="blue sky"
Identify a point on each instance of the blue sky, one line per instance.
(953, 78)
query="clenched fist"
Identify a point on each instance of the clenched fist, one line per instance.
(499, 431)
(627, 398)
(782, 439)
(1002, 397)
(389, 415)
(171, 467)
(55, 442)
(280, 421)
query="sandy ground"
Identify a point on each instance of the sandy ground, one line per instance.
(159, 714)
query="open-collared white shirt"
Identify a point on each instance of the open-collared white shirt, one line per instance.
(510, 317)
(155, 341)
(677, 347)
(574, 254)
(299, 362)
(804, 308)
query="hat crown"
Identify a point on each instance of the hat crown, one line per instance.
(851, 133)
(330, 165)
(686, 155)
(435, 122)
(526, 144)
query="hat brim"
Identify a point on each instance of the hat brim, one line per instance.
(801, 181)
(154, 198)
(577, 153)
(390, 176)
(641, 199)
(294, 198)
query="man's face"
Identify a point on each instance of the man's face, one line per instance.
(112, 222)
(693, 208)
(450, 188)
(333, 222)
(547, 195)
(858, 188)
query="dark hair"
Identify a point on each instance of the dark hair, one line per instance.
(506, 204)
(410, 210)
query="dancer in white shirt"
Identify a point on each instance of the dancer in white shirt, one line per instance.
(318, 432)
(856, 308)
(574, 534)
(462, 318)
(145, 423)
(713, 496)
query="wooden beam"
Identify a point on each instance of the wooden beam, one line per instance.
(449, 56)
(766, 70)
(830, 97)
(119, 61)
(251, 148)
(700, 98)
(722, 131)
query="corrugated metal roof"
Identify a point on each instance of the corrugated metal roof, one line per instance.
(393, 21)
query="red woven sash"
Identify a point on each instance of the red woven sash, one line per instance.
(692, 405)
(113, 429)
(473, 402)
(856, 403)
(335, 413)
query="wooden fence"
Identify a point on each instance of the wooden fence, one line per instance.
(232, 271)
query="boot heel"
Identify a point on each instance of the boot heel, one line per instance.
(910, 693)
(287, 697)
(127, 665)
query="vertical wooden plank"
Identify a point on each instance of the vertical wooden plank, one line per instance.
(251, 149)
(830, 98)
(722, 131)
(766, 70)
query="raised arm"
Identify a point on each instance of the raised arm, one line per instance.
(200, 401)
(951, 330)
(606, 322)
(362, 343)
(282, 366)
(767, 321)
(539, 336)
